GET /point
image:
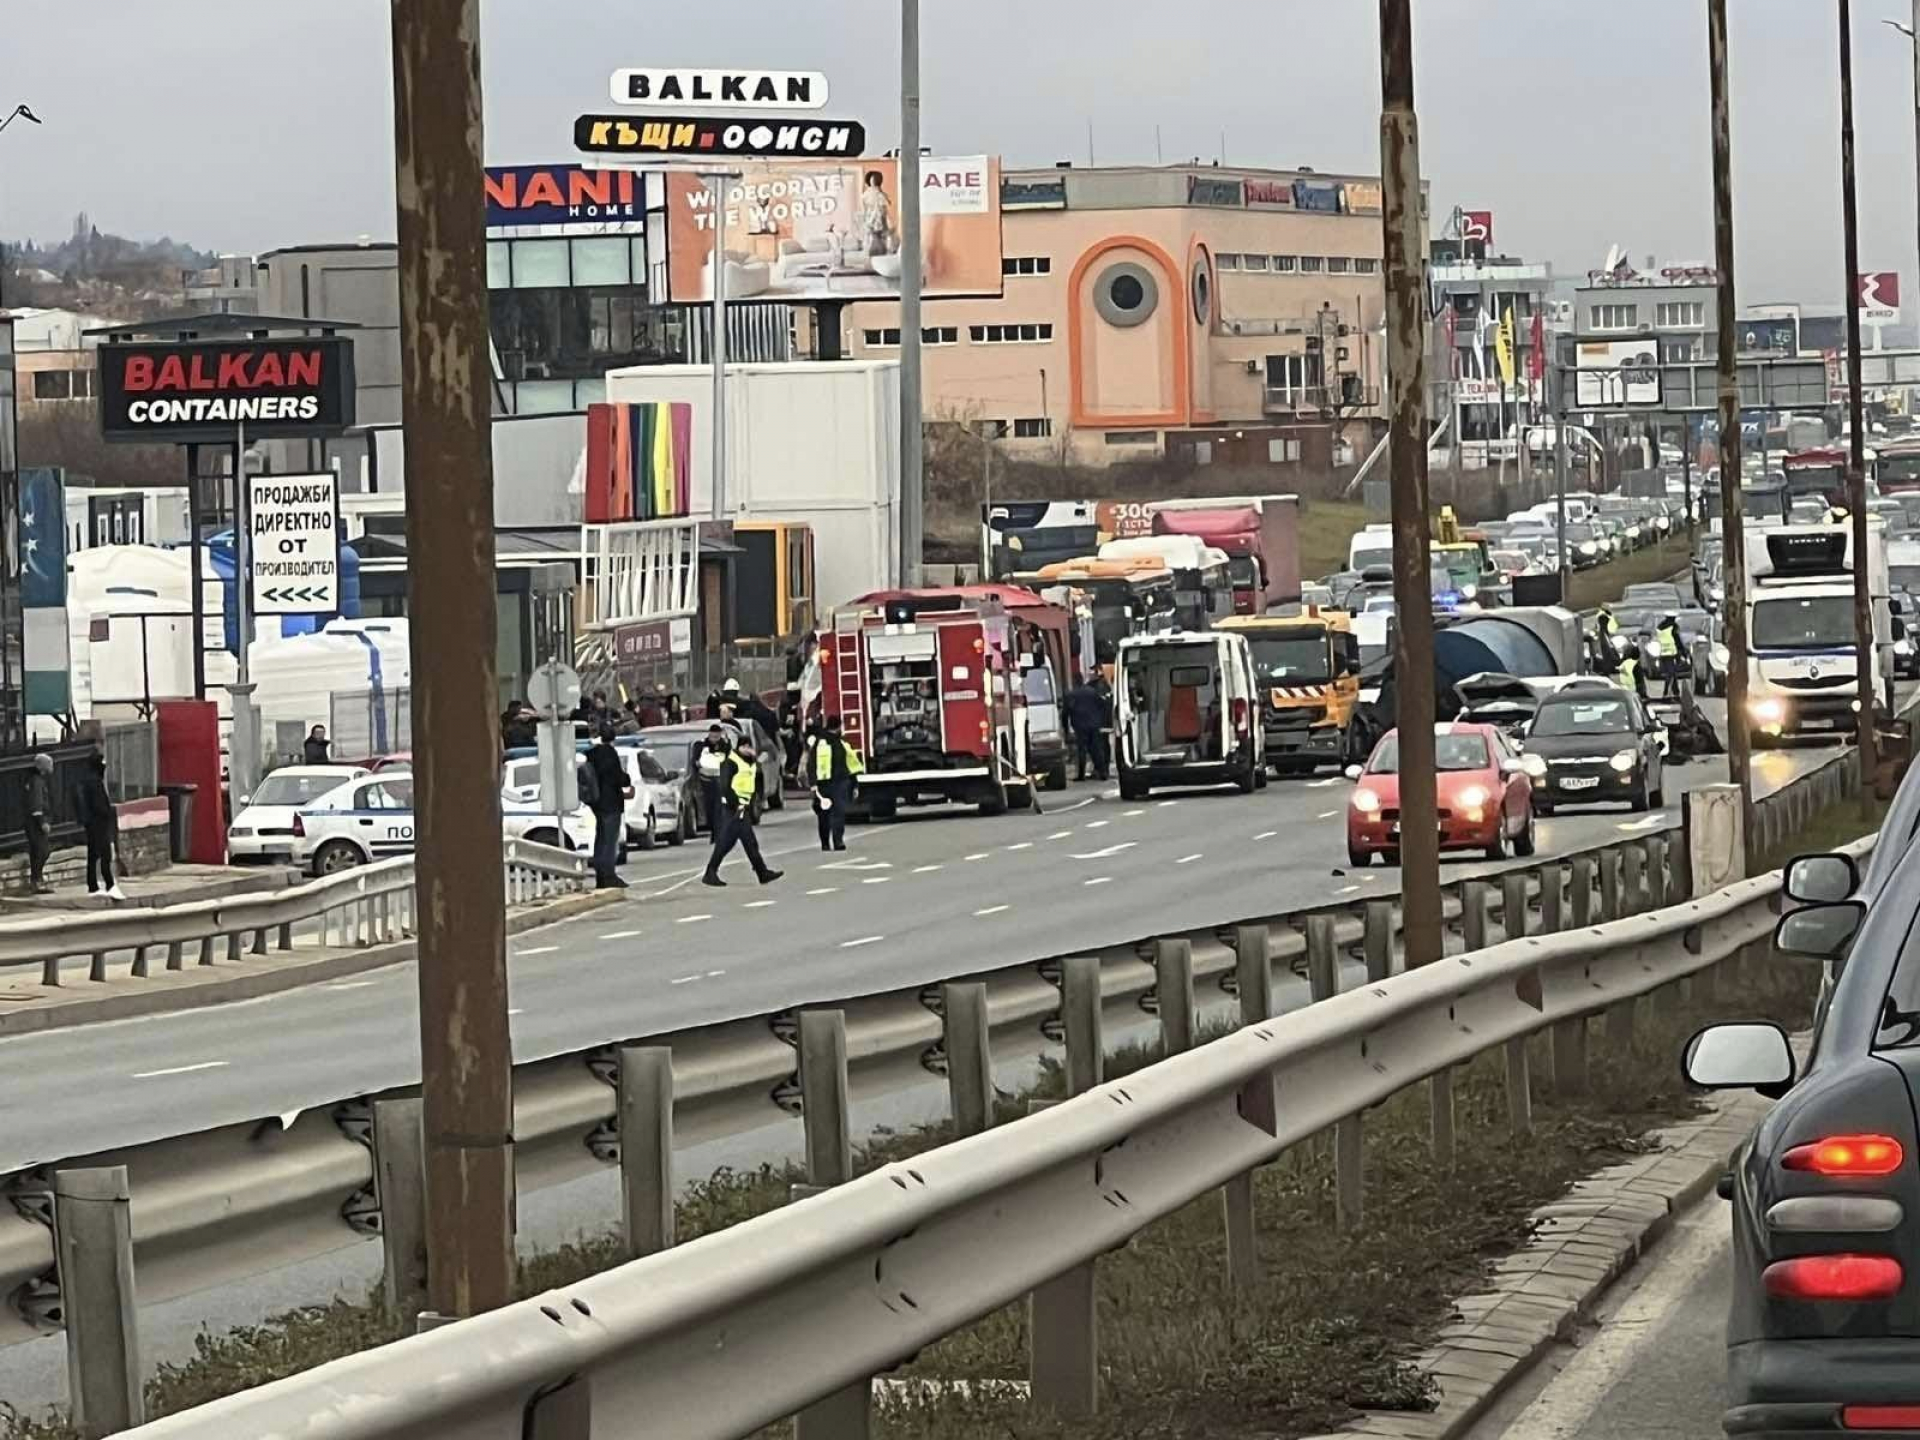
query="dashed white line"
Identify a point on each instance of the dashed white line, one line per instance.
(353, 984)
(181, 1069)
(1023, 845)
(1077, 805)
(1266, 834)
(1327, 814)
(512, 1013)
(626, 934)
(1322, 784)
(1096, 824)
(1187, 859)
(683, 980)
(1346, 889)
(863, 940)
(927, 869)
(978, 855)
(536, 950)
(692, 919)
(1129, 814)
(760, 904)
(1060, 835)
(1166, 804)
(1108, 853)
(715, 974)
(1099, 880)
(876, 880)
(992, 910)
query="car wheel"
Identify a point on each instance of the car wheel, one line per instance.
(1640, 800)
(1527, 841)
(1057, 776)
(1131, 789)
(1390, 858)
(334, 857)
(995, 802)
(1260, 777)
(682, 829)
(777, 797)
(1359, 859)
(1497, 847)
(646, 841)
(1542, 808)
(880, 806)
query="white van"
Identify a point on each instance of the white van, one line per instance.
(1187, 712)
(1579, 507)
(1370, 547)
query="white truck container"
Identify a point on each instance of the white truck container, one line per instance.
(815, 442)
(1803, 663)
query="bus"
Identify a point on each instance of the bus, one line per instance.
(1898, 469)
(1822, 473)
(1122, 597)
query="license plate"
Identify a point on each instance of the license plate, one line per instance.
(1580, 782)
(1817, 722)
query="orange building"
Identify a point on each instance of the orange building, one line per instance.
(1148, 309)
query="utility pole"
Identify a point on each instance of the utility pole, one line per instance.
(1912, 32)
(1856, 413)
(1407, 457)
(445, 386)
(913, 495)
(717, 346)
(1732, 549)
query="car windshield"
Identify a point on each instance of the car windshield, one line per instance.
(1242, 572)
(1601, 715)
(1636, 619)
(650, 769)
(1450, 752)
(295, 789)
(1509, 560)
(1812, 622)
(1371, 555)
(1301, 659)
(1904, 577)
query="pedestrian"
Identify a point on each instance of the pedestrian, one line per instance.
(1086, 717)
(676, 712)
(1667, 641)
(93, 807)
(740, 798)
(314, 751)
(836, 767)
(517, 730)
(1628, 676)
(40, 821)
(610, 791)
(713, 755)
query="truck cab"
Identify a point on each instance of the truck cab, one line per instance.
(1803, 664)
(1306, 670)
(1186, 712)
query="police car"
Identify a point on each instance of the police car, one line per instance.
(372, 819)
(653, 814)
(263, 830)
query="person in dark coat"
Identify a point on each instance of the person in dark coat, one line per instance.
(611, 791)
(314, 751)
(93, 808)
(40, 821)
(1087, 717)
(836, 766)
(517, 730)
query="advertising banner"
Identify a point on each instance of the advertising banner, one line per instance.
(43, 537)
(805, 231)
(293, 528)
(721, 89)
(1612, 374)
(1476, 226)
(279, 389)
(1469, 390)
(698, 136)
(639, 462)
(1770, 335)
(565, 195)
(1880, 298)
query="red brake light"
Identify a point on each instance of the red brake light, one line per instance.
(1834, 1277)
(299, 827)
(1846, 1155)
(1880, 1417)
(1240, 716)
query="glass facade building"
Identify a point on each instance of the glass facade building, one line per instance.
(13, 708)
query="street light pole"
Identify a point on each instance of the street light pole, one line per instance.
(912, 437)
(1732, 549)
(1856, 411)
(445, 385)
(1912, 32)
(1407, 456)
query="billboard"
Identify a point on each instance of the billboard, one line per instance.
(278, 389)
(1611, 374)
(565, 195)
(1769, 335)
(1880, 298)
(812, 230)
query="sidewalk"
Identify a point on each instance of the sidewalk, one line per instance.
(173, 885)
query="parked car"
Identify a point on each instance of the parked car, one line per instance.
(1709, 658)
(1593, 743)
(653, 812)
(678, 747)
(372, 819)
(1484, 800)
(263, 830)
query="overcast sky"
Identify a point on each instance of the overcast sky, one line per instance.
(242, 125)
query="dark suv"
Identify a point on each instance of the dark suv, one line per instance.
(1593, 743)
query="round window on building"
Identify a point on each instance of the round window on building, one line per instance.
(1202, 288)
(1126, 294)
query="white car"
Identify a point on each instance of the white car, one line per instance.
(262, 831)
(372, 819)
(653, 812)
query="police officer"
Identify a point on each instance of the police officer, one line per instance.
(1628, 676)
(739, 792)
(836, 765)
(1666, 640)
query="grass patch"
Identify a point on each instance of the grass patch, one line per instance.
(1588, 588)
(1329, 1336)
(1325, 528)
(1828, 830)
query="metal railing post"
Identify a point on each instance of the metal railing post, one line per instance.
(1323, 983)
(1173, 985)
(1063, 1336)
(1553, 897)
(646, 1147)
(93, 1235)
(97, 968)
(1580, 898)
(968, 1040)
(1323, 959)
(1659, 876)
(1379, 939)
(1476, 899)
(1519, 1063)
(1633, 865)
(1254, 980)
(847, 1413)
(400, 1182)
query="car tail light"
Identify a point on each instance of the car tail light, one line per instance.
(1880, 1417)
(1240, 716)
(1846, 1155)
(299, 827)
(1834, 1277)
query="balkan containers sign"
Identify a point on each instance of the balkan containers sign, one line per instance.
(202, 391)
(807, 231)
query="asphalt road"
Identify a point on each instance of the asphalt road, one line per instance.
(1654, 1366)
(935, 895)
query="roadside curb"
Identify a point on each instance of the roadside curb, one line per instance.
(1583, 1242)
(171, 992)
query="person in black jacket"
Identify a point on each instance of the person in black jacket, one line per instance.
(611, 791)
(40, 821)
(93, 808)
(1087, 715)
(314, 751)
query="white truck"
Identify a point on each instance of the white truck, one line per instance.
(1802, 663)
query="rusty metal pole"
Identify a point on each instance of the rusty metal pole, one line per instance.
(446, 383)
(1405, 262)
(1733, 552)
(1864, 666)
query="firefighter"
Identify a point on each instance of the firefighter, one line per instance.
(836, 766)
(739, 798)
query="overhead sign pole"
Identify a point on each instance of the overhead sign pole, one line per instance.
(1864, 655)
(243, 754)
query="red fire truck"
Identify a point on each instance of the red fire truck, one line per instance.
(929, 686)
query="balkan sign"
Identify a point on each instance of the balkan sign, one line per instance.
(293, 529)
(682, 135)
(564, 195)
(1880, 298)
(200, 391)
(721, 89)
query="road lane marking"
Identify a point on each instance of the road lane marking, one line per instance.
(1060, 835)
(1108, 853)
(512, 1013)
(1164, 804)
(1099, 880)
(825, 890)
(1080, 804)
(684, 980)
(692, 919)
(927, 869)
(1322, 784)
(1346, 889)
(863, 940)
(620, 935)
(181, 1069)
(1187, 859)
(353, 985)
(536, 950)
(678, 884)
(1129, 814)
(1096, 824)
(1266, 834)
(1023, 845)
(1327, 814)
(859, 865)
(1651, 822)
(993, 910)
(760, 904)
(715, 974)
(876, 880)
(978, 855)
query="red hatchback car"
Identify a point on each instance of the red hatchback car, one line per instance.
(1485, 800)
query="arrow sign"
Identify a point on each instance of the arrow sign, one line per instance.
(293, 535)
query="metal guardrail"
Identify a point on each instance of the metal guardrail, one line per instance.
(886, 1264)
(368, 905)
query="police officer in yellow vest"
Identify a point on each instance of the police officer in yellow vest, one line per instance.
(1666, 640)
(1628, 675)
(836, 765)
(739, 791)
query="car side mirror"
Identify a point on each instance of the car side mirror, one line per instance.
(244, 800)
(1512, 767)
(1352, 772)
(1818, 932)
(1821, 879)
(1745, 1056)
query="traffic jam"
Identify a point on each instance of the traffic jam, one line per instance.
(1186, 656)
